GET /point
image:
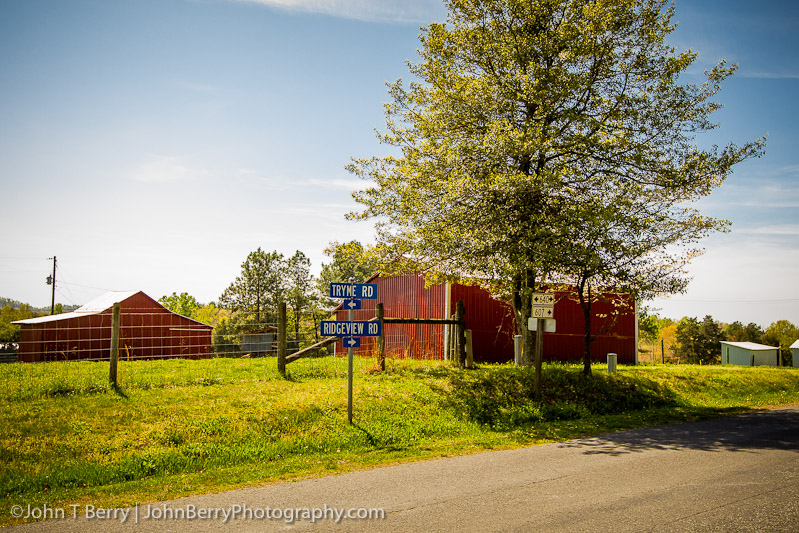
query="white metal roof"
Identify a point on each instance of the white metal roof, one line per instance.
(94, 307)
(106, 301)
(751, 346)
(795, 345)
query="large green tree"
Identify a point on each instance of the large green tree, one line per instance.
(521, 112)
(183, 304)
(782, 333)
(300, 298)
(699, 342)
(254, 294)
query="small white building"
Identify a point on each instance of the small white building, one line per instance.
(749, 354)
(795, 354)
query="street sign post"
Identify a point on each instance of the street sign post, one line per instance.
(351, 331)
(543, 308)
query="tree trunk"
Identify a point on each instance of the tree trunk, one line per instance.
(586, 307)
(523, 309)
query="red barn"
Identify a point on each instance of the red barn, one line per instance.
(147, 330)
(492, 323)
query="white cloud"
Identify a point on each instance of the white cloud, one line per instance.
(161, 169)
(347, 184)
(781, 229)
(398, 11)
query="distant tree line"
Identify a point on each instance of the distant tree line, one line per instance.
(699, 341)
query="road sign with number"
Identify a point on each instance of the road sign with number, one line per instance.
(543, 312)
(543, 299)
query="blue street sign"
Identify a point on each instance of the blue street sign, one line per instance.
(356, 328)
(351, 303)
(352, 342)
(366, 291)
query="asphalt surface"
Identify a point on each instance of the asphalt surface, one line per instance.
(731, 474)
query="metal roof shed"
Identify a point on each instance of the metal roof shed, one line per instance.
(795, 354)
(749, 354)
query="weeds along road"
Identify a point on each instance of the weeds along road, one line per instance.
(732, 474)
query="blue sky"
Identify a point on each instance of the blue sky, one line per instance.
(152, 144)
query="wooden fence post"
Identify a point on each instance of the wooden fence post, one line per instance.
(381, 340)
(460, 313)
(114, 345)
(281, 338)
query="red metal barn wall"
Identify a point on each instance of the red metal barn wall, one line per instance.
(492, 323)
(147, 331)
(403, 297)
(613, 319)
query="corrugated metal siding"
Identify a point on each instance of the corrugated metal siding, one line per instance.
(492, 323)
(616, 315)
(403, 297)
(147, 330)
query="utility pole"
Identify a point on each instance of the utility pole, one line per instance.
(51, 281)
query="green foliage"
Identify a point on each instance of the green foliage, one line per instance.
(9, 333)
(255, 293)
(699, 342)
(504, 397)
(782, 333)
(179, 427)
(182, 304)
(737, 332)
(547, 141)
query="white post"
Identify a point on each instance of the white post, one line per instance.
(611, 363)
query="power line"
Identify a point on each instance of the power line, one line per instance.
(730, 301)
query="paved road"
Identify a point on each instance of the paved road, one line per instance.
(732, 474)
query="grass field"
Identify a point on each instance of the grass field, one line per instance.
(179, 427)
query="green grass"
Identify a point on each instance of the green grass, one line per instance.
(181, 427)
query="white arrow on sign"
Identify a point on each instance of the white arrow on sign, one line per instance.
(543, 299)
(352, 304)
(352, 342)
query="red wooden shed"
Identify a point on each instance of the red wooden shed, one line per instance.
(147, 330)
(492, 323)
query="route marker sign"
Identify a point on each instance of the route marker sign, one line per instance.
(543, 312)
(366, 291)
(543, 299)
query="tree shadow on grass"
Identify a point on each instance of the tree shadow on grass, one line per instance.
(767, 429)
